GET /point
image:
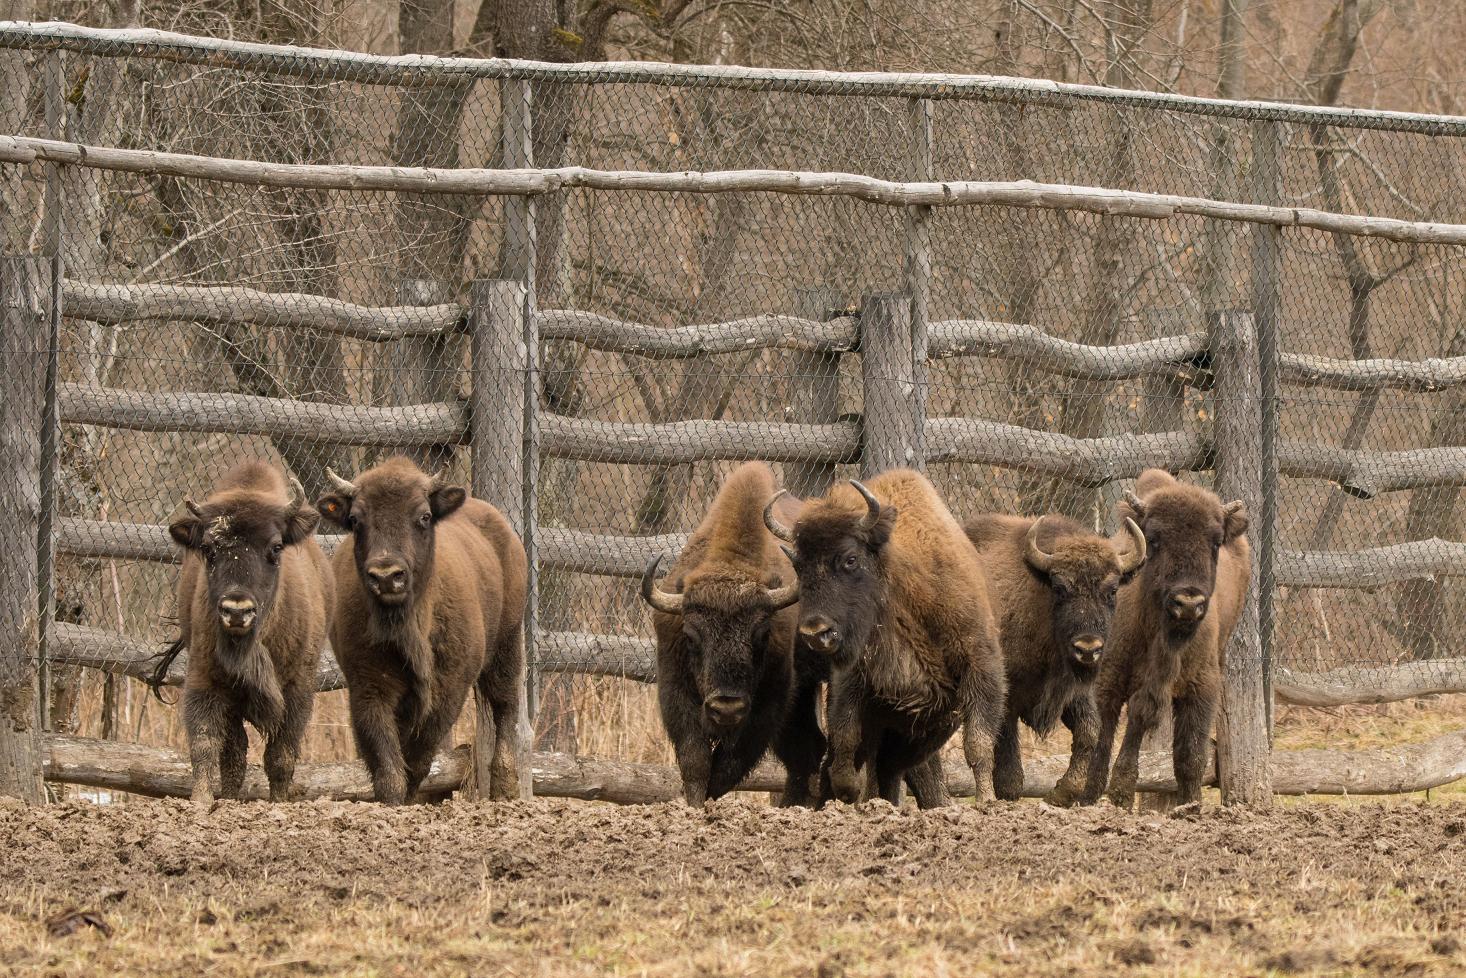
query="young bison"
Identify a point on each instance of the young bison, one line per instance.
(430, 599)
(1170, 632)
(253, 601)
(1052, 584)
(892, 591)
(729, 680)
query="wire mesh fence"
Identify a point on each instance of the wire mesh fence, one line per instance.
(194, 328)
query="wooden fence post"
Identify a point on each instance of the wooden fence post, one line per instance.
(815, 392)
(24, 316)
(918, 257)
(893, 433)
(429, 375)
(1243, 766)
(497, 437)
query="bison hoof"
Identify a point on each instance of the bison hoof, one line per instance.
(1188, 809)
(1060, 797)
(846, 786)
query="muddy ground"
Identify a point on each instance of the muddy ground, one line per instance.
(563, 888)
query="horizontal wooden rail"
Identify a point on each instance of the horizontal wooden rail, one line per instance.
(596, 553)
(976, 337)
(1372, 567)
(484, 182)
(1370, 684)
(419, 70)
(1087, 461)
(678, 442)
(1366, 474)
(683, 342)
(1431, 374)
(161, 772)
(588, 653)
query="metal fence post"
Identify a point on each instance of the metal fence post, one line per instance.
(893, 428)
(1243, 766)
(26, 322)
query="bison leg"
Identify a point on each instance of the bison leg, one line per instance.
(499, 686)
(1192, 716)
(232, 758)
(846, 723)
(985, 690)
(928, 783)
(1082, 719)
(374, 724)
(1008, 762)
(800, 746)
(207, 717)
(1141, 716)
(420, 744)
(695, 763)
(282, 749)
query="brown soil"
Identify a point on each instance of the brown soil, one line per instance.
(564, 888)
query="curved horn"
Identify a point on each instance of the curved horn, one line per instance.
(1135, 556)
(788, 552)
(772, 522)
(1232, 507)
(193, 507)
(347, 489)
(783, 597)
(873, 506)
(655, 596)
(297, 495)
(1135, 502)
(1035, 554)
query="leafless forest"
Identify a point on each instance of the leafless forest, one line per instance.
(673, 259)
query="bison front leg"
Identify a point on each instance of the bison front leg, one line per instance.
(499, 687)
(1192, 717)
(846, 722)
(374, 725)
(1008, 762)
(695, 764)
(928, 783)
(282, 749)
(1082, 719)
(800, 746)
(985, 691)
(1141, 716)
(207, 718)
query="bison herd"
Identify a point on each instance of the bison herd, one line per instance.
(873, 602)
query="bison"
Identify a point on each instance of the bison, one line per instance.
(1170, 631)
(1053, 586)
(730, 680)
(430, 600)
(893, 592)
(253, 604)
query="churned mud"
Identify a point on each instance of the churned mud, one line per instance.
(555, 888)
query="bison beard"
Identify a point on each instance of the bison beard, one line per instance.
(1053, 585)
(431, 589)
(253, 601)
(729, 680)
(1172, 625)
(893, 593)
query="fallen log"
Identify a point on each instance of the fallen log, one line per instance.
(1370, 684)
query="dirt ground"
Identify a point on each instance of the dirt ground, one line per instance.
(564, 888)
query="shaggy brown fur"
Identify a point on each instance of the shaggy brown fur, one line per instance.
(430, 600)
(1171, 630)
(253, 604)
(729, 680)
(1053, 621)
(898, 600)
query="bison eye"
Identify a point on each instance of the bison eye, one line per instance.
(275, 550)
(851, 562)
(424, 521)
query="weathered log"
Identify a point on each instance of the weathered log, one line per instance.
(161, 772)
(678, 442)
(1370, 684)
(597, 553)
(1366, 474)
(736, 336)
(1374, 566)
(1430, 374)
(591, 654)
(523, 182)
(426, 70)
(237, 305)
(975, 337)
(1087, 461)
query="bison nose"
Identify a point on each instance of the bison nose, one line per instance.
(725, 710)
(819, 633)
(386, 579)
(1087, 648)
(236, 612)
(1187, 604)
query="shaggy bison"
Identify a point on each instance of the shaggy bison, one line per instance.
(1053, 585)
(430, 599)
(892, 591)
(253, 601)
(729, 679)
(1170, 631)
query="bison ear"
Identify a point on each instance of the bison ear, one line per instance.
(445, 500)
(1234, 521)
(300, 525)
(186, 531)
(881, 532)
(335, 508)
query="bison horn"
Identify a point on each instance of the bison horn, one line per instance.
(193, 507)
(1135, 556)
(787, 552)
(772, 522)
(297, 495)
(1035, 554)
(345, 488)
(783, 597)
(655, 596)
(873, 506)
(1235, 506)
(1135, 503)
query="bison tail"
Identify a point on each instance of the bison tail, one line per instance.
(159, 678)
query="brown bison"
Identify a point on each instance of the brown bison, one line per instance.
(1170, 632)
(253, 604)
(730, 681)
(430, 600)
(892, 591)
(1053, 585)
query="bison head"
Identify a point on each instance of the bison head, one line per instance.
(1083, 573)
(241, 535)
(391, 512)
(1185, 529)
(838, 559)
(727, 622)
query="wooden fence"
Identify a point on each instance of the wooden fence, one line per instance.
(1236, 352)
